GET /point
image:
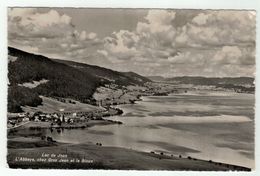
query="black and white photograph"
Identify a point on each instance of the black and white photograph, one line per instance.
(158, 89)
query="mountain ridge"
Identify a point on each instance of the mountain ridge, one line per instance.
(108, 73)
(61, 80)
(204, 80)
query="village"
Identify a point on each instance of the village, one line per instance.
(74, 114)
(106, 99)
(60, 119)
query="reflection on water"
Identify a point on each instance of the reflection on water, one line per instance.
(216, 126)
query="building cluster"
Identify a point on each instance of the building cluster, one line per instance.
(16, 119)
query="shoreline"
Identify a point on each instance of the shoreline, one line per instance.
(143, 97)
(105, 121)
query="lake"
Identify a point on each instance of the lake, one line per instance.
(217, 126)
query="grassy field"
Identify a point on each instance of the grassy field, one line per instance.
(115, 96)
(51, 105)
(90, 156)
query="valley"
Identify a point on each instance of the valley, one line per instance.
(95, 113)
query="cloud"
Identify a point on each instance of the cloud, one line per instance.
(103, 52)
(207, 44)
(28, 22)
(180, 58)
(32, 49)
(121, 46)
(235, 56)
(92, 35)
(201, 19)
(53, 33)
(228, 55)
(84, 36)
(151, 39)
(222, 28)
(164, 42)
(157, 21)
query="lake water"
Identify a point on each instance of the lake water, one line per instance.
(217, 126)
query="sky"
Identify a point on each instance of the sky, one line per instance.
(150, 42)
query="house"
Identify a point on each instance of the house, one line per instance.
(36, 118)
(82, 118)
(55, 115)
(26, 119)
(21, 115)
(48, 116)
(42, 116)
(66, 119)
(70, 120)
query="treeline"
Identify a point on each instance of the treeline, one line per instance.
(63, 80)
(18, 96)
(240, 89)
(119, 78)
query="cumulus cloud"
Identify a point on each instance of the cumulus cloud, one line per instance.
(165, 42)
(235, 56)
(222, 28)
(151, 39)
(51, 32)
(228, 55)
(84, 36)
(157, 21)
(208, 44)
(27, 22)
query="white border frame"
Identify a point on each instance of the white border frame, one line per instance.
(177, 4)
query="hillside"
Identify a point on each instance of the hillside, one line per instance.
(136, 77)
(119, 78)
(32, 75)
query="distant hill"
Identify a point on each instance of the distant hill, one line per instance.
(211, 81)
(156, 78)
(55, 79)
(237, 84)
